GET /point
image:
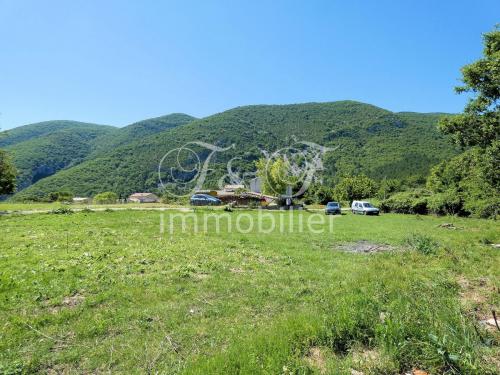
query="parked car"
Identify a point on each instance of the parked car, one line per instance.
(364, 208)
(204, 200)
(332, 208)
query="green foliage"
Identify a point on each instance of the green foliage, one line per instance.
(41, 150)
(62, 145)
(275, 176)
(479, 125)
(60, 196)
(107, 197)
(387, 187)
(137, 131)
(353, 188)
(472, 178)
(407, 202)
(7, 174)
(422, 243)
(373, 141)
(448, 202)
(62, 211)
(318, 194)
(33, 131)
(471, 181)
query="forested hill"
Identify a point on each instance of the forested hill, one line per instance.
(39, 129)
(139, 130)
(373, 141)
(42, 149)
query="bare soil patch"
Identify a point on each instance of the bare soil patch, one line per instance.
(365, 247)
(316, 358)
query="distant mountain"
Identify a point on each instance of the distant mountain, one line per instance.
(42, 149)
(139, 130)
(31, 131)
(371, 140)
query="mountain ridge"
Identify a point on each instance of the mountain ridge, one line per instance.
(374, 141)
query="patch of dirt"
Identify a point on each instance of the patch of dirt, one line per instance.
(201, 276)
(316, 358)
(474, 295)
(73, 301)
(449, 226)
(366, 356)
(236, 270)
(68, 302)
(365, 247)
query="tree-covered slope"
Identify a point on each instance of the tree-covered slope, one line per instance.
(371, 140)
(39, 129)
(42, 149)
(43, 155)
(139, 130)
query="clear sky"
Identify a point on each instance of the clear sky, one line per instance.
(116, 62)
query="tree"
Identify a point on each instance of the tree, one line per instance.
(473, 175)
(388, 187)
(275, 176)
(479, 124)
(7, 174)
(60, 196)
(107, 197)
(353, 188)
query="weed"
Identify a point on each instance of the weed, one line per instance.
(422, 243)
(62, 211)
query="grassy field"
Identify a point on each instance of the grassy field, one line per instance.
(29, 207)
(99, 292)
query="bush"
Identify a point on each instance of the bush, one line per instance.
(59, 196)
(447, 203)
(408, 202)
(422, 243)
(472, 174)
(106, 198)
(353, 188)
(62, 211)
(318, 194)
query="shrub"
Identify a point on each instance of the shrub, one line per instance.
(408, 202)
(107, 197)
(59, 196)
(472, 174)
(422, 243)
(353, 188)
(388, 187)
(318, 194)
(62, 211)
(446, 203)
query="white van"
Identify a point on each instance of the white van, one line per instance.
(364, 208)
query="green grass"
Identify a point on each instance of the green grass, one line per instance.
(41, 207)
(105, 291)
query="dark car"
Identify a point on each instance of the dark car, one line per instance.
(332, 208)
(204, 200)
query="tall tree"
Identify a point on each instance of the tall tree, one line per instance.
(479, 124)
(7, 174)
(473, 176)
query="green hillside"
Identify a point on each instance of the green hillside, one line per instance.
(139, 130)
(372, 140)
(39, 129)
(42, 149)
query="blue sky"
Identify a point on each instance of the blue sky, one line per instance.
(116, 62)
